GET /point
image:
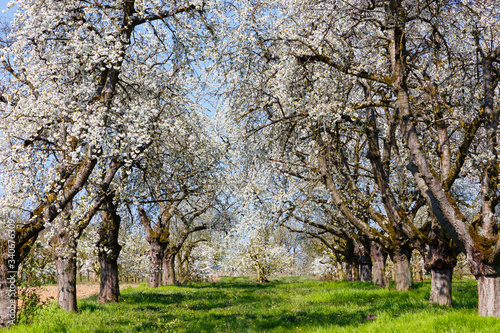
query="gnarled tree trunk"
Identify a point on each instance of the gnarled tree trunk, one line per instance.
(169, 269)
(440, 259)
(379, 257)
(109, 250)
(158, 241)
(402, 273)
(441, 286)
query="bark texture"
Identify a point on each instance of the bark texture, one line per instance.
(351, 266)
(66, 281)
(379, 257)
(65, 251)
(109, 251)
(155, 267)
(365, 266)
(489, 295)
(261, 274)
(169, 270)
(441, 286)
(351, 259)
(157, 244)
(402, 273)
(440, 259)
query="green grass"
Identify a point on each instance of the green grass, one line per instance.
(284, 305)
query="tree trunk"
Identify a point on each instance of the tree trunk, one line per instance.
(441, 283)
(355, 271)
(402, 273)
(65, 252)
(365, 273)
(365, 266)
(441, 286)
(352, 272)
(348, 271)
(379, 257)
(339, 274)
(156, 258)
(418, 274)
(66, 281)
(261, 274)
(440, 259)
(489, 295)
(109, 251)
(169, 270)
(488, 284)
(109, 288)
(8, 289)
(351, 267)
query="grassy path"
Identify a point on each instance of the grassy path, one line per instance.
(280, 306)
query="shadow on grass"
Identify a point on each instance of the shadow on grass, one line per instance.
(242, 306)
(233, 304)
(239, 322)
(465, 295)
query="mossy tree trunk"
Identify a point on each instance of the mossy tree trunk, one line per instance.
(440, 259)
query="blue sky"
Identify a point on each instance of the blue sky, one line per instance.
(3, 6)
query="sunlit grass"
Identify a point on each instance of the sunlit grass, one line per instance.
(284, 305)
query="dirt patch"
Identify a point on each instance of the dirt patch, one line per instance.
(82, 291)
